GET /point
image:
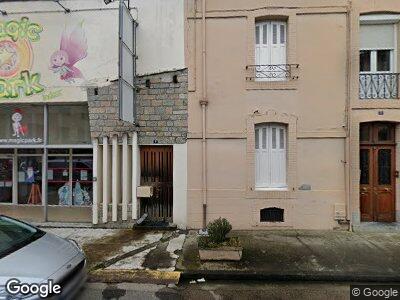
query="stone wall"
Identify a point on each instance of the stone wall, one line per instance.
(162, 108)
(103, 112)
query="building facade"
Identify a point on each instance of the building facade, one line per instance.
(65, 153)
(293, 113)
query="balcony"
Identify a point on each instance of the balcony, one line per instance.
(279, 72)
(379, 86)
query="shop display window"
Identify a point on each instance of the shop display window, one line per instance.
(30, 180)
(58, 179)
(21, 124)
(69, 170)
(82, 178)
(6, 180)
(68, 124)
(66, 171)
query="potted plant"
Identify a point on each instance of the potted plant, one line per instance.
(216, 245)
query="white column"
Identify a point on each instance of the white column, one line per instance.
(106, 178)
(115, 167)
(125, 177)
(95, 205)
(135, 174)
(179, 207)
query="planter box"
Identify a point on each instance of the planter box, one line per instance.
(221, 253)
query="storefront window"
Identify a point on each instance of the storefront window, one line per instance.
(21, 124)
(6, 180)
(69, 170)
(58, 180)
(82, 180)
(68, 124)
(30, 180)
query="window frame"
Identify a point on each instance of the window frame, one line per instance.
(289, 120)
(374, 57)
(264, 45)
(279, 14)
(374, 60)
(43, 154)
(266, 152)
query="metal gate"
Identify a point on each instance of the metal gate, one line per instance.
(156, 170)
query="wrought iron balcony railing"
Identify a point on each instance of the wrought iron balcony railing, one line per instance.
(271, 72)
(379, 86)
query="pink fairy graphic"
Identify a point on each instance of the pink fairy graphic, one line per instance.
(73, 48)
(18, 128)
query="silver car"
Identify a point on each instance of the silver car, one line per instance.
(33, 262)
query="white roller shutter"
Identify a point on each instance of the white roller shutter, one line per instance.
(270, 156)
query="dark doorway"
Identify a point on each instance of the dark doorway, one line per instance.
(157, 171)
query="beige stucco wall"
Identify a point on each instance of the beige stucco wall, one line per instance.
(323, 38)
(367, 110)
(314, 104)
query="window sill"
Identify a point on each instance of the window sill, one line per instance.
(285, 189)
(271, 85)
(377, 103)
(270, 193)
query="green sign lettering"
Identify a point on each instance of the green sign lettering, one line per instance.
(27, 84)
(20, 29)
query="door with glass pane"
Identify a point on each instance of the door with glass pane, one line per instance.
(6, 179)
(384, 183)
(377, 173)
(70, 177)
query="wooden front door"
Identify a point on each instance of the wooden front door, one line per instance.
(377, 172)
(156, 170)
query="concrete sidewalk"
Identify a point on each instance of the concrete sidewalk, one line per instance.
(302, 255)
(128, 255)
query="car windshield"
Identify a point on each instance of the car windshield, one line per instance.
(14, 235)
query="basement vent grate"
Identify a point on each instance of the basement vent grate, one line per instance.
(271, 214)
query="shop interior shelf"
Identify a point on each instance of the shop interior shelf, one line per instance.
(59, 168)
(73, 181)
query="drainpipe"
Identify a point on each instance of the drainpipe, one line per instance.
(348, 121)
(203, 103)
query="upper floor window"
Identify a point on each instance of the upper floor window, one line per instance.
(270, 50)
(378, 78)
(270, 156)
(377, 48)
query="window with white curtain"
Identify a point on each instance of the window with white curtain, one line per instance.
(270, 50)
(270, 156)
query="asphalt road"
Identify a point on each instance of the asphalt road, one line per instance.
(217, 290)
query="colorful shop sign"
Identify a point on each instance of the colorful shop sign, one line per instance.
(16, 58)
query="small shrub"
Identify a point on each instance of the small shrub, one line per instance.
(205, 243)
(217, 230)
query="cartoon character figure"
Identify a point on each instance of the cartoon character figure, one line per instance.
(73, 48)
(17, 126)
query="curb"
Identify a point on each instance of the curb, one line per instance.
(134, 276)
(260, 276)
